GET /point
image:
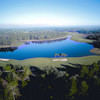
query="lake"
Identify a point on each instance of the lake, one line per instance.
(47, 49)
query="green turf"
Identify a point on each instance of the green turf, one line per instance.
(43, 62)
(79, 37)
(95, 50)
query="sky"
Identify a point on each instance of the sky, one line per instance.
(50, 12)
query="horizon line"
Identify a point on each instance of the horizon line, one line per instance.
(40, 25)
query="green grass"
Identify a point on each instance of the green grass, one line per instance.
(43, 62)
(95, 50)
(79, 37)
(18, 43)
(13, 45)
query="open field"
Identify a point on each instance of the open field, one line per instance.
(79, 37)
(43, 62)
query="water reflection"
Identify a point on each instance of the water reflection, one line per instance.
(47, 49)
(27, 43)
(47, 41)
(8, 49)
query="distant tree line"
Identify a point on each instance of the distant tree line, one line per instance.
(81, 30)
(94, 36)
(10, 36)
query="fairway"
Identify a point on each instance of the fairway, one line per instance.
(43, 62)
(79, 37)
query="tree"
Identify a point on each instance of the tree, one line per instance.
(62, 54)
(58, 55)
(84, 71)
(73, 89)
(96, 68)
(84, 88)
(55, 55)
(24, 83)
(65, 55)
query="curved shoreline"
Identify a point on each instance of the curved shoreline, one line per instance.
(94, 50)
(41, 40)
(47, 39)
(81, 39)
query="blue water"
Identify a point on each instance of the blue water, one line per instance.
(33, 50)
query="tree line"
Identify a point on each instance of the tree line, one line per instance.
(60, 55)
(11, 36)
(95, 37)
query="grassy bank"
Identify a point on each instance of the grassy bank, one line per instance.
(43, 62)
(79, 37)
(13, 45)
(95, 50)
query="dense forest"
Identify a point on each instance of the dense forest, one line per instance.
(10, 36)
(96, 37)
(67, 83)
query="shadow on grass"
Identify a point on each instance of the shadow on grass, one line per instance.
(71, 70)
(36, 71)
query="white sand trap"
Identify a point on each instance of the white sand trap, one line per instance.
(4, 59)
(59, 60)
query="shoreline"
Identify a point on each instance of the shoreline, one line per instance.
(13, 45)
(41, 40)
(47, 39)
(79, 38)
(42, 62)
(94, 50)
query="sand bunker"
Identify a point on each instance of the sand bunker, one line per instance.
(4, 59)
(59, 60)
